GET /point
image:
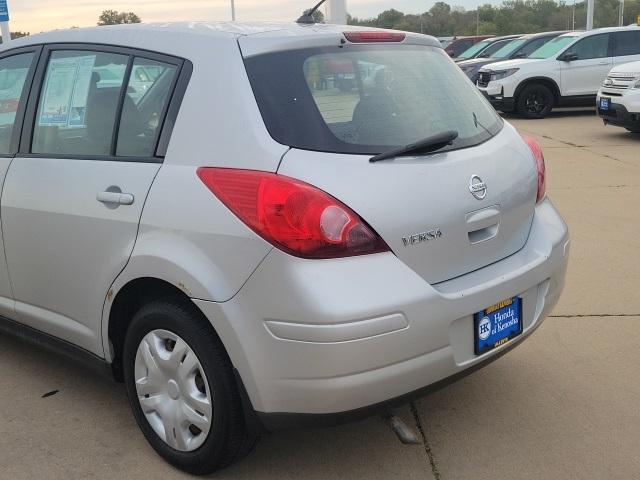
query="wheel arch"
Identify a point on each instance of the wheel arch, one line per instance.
(546, 81)
(124, 305)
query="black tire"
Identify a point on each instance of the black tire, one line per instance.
(535, 101)
(229, 439)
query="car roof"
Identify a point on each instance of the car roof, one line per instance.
(545, 34)
(595, 31)
(504, 37)
(186, 38)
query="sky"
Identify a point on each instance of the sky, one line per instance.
(40, 15)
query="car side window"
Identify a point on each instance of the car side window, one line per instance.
(462, 46)
(627, 43)
(531, 47)
(148, 94)
(13, 74)
(79, 103)
(594, 46)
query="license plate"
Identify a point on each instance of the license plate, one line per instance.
(496, 325)
(605, 103)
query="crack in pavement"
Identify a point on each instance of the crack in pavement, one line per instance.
(590, 187)
(586, 148)
(599, 315)
(425, 442)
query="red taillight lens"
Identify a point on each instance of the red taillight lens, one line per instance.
(292, 215)
(540, 166)
(375, 37)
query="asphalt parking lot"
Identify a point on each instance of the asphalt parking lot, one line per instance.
(563, 405)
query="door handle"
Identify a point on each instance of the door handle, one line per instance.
(115, 198)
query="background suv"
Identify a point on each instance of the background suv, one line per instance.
(618, 99)
(566, 71)
(521, 47)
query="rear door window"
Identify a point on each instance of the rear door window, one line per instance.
(148, 94)
(102, 104)
(627, 43)
(79, 102)
(13, 75)
(594, 46)
(367, 99)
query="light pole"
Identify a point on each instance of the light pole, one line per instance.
(573, 16)
(590, 10)
(4, 22)
(337, 11)
(621, 14)
(233, 11)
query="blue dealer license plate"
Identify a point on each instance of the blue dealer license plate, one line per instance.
(604, 103)
(496, 325)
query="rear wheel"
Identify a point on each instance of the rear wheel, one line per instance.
(535, 101)
(181, 388)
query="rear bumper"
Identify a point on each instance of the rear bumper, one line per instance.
(328, 341)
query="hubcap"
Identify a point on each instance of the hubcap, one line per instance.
(173, 390)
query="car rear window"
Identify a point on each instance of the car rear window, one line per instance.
(366, 99)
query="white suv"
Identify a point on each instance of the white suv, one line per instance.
(567, 71)
(618, 99)
(251, 242)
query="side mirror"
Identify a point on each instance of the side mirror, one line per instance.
(569, 57)
(519, 55)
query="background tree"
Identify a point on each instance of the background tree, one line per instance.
(17, 35)
(113, 17)
(512, 17)
(318, 16)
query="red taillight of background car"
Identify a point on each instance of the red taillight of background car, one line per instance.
(292, 215)
(540, 166)
(375, 37)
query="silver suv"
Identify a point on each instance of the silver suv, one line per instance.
(288, 225)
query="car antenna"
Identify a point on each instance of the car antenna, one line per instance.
(307, 16)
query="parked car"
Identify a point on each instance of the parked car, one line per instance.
(245, 259)
(566, 71)
(618, 99)
(485, 48)
(445, 41)
(460, 44)
(519, 48)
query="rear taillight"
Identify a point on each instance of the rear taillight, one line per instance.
(375, 37)
(539, 157)
(292, 215)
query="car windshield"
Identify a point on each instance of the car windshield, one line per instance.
(509, 48)
(551, 48)
(366, 99)
(471, 52)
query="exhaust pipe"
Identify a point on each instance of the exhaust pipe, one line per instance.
(404, 432)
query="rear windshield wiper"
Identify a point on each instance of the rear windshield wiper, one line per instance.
(428, 145)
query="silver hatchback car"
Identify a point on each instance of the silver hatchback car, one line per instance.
(262, 226)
